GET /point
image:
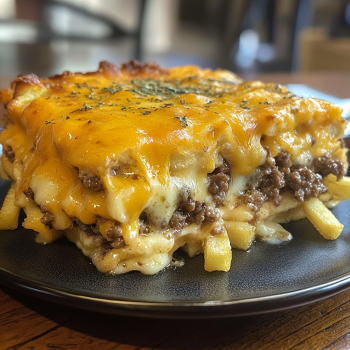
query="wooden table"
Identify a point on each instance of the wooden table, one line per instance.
(30, 323)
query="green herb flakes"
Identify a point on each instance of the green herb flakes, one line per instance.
(183, 121)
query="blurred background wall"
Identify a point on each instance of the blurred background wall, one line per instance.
(247, 36)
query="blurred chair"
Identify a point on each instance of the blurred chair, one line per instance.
(319, 52)
(117, 31)
(327, 50)
(340, 25)
(45, 32)
(250, 16)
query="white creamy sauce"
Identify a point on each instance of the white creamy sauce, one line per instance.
(272, 232)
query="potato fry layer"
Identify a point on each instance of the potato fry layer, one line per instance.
(217, 253)
(6, 168)
(241, 234)
(9, 212)
(339, 189)
(323, 219)
(3, 174)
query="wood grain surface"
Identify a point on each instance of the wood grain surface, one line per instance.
(30, 323)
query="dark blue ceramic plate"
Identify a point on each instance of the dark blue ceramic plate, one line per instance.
(266, 278)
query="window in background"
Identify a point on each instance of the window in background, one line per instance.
(8, 9)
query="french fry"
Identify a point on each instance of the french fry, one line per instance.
(6, 166)
(217, 253)
(288, 202)
(241, 234)
(290, 215)
(9, 212)
(193, 248)
(3, 174)
(339, 189)
(324, 221)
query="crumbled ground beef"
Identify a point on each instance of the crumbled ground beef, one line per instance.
(114, 231)
(212, 214)
(190, 211)
(186, 201)
(219, 183)
(278, 174)
(89, 229)
(91, 182)
(275, 175)
(217, 230)
(115, 234)
(178, 220)
(101, 219)
(254, 198)
(269, 181)
(283, 162)
(8, 151)
(143, 220)
(118, 243)
(198, 215)
(224, 168)
(48, 218)
(29, 193)
(325, 165)
(107, 245)
(218, 187)
(304, 184)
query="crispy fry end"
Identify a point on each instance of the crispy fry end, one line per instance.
(217, 253)
(241, 234)
(340, 190)
(9, 212)
(322, 218)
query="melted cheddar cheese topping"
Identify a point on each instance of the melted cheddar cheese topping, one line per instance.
(147, 133)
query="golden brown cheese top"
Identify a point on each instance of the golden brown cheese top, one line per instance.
(99, 115)
(139, 117)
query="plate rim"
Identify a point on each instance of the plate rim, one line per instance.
(177, 309)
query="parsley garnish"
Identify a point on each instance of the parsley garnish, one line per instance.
(183, 121)
(112, 90)
(265, 103)
(79, 109)
(244, 104)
